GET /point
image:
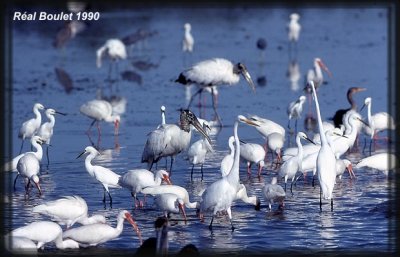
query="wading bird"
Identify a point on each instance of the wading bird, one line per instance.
(252, 153)
(30, 127)
(115, 49)
(181, 192)
(274, 193)
(188, 41)
(295, 109)
(36, 142)
(170, 203)
(380, 161)
(294, 28)
(29, 167)
(339, 114)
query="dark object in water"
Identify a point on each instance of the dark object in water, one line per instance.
(140, 34)
(262, 81)
(143, 65)
(261, 43)
(132, 76)
(64, 79)
(68, 32)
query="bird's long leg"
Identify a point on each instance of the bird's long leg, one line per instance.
(109, 196)
(98, 127)
(320, 198)
(212, 219)
(191, 174)
(47, 154)
(230, 217)
(192, 97)
(135, 199)
(201, 172)
(295, 126)
(15, 180)
(288, 124)
(215, 107)
(170, 168)
(27, 186)
(104, 196)
(90, 127)
(22, 145)
(249, 168)
(332, 204)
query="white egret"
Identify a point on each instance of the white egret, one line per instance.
(220, 195)
(100, 110)
(294, 28)
(181, 192)
(339, 114)
(326, 160)
(43, 232)
(295, 109)
(274, 193)
(227, 161)
(380, 161)
(28, 167)
(252, 153)
(137, 179)
(170, 203)
(188, 41)
(105, 176)
(171, 139)
(198, 150)
(30, 127)
(94, 234)
(68, 210)
(115, 49)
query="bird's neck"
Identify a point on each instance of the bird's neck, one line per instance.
(351, 100)
(88, 163)
(120, 225)
(369, 114)
(233, 176)
(39, 150)
(52, 120)
(38, 117)
(299, 151)
(162, 118)
(321, 127)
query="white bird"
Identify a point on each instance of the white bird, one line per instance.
(162, 108)
(181, 192)
(28, 167)
(252, 153)
(295, 109)
(114, 48)
(170, 139)
(213, 72)
(378, 122)
(19, 245)
(265, 126)
(105, 176)
(326, 160)
(46, 129)
(170, 203)
(227, 161)
(341, 166)
(294, 28)
(290, 167)
(242, 195)
(274, 193)
(94, 234)
(198, 150)
(30, 127)
(68, 210)
(44, 232)
(316, 75)
(36, 142)
(294, 75)
(137, 179)
(220, 195)
(188, 41)
(100, 110)
(275, 142)
(380, 161)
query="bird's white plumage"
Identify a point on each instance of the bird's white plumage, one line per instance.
(28, 167)
(30, 127)
(265, 126)
(181, 192)
(46, 129)
(114, 48)
(295, 108)
(294, 27)
(273, 193)
(252, 153)
(35, 141)
(227, 161)
(379, 121)
(188, 41)
(380, 161)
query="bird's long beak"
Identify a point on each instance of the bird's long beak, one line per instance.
(350, 170)
(247, 76)
(363, 122)
(182, 209)
(116, 127)
(134, 225)
(40, 141)
(61, 113)
(249, 122)
(199, 128)
(362, 107)
(323, 66)
(360, 89)
(82, 153)
(340, 135)
(167, 179)
(309, 140)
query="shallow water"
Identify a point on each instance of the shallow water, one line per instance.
(351, 41)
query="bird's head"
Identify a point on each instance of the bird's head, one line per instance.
(323, 66)
(35, 180)
(294, 16)
(164, 175)
(303, 135)
(240, 68)
(243, 119)
(349, 167)
(38, 106)
(90, 150)
(130, 219)
(188, 118)
(367, 102)
(37, 139)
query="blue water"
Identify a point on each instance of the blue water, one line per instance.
(353, 43)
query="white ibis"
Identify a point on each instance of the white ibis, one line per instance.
(94, 234)
(273, 193)
(28, 167)
(188, 41)
(137, 179)
(19, 245)
(30, 127)
(295, 109)
(181, 192)
(339, 114)
(275, 142)
(227, 161)
(252, 153)
(171, 139)
(341, 166)
(220, 195)
(43, 232)
(380, 161)
(46, 129)
(170, 203)
(100, 110)
(115, 49)
(105, 176)
(265, 126)
(68, 210)
(198, 150)
(315, 75)
(326, 160)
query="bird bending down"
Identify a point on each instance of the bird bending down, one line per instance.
(136, 180)
(115, 49)
(181, 192)
(380, 161)
(274, 193)
(30, 127)
(68, 210)
(46, 129)
(170, 203)
(170, 139)
(220, 195)
(94, 234)
(339, 114)
(29, 167)
(188, 41)
(105, 176)
(326, 160)
(341, 166)
(43, 232)
(100, 110)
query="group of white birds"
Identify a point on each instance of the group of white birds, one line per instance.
(322, 156)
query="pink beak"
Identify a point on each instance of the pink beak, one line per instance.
(166, 179)
(350, 170)
(134, 225)
(323, 66)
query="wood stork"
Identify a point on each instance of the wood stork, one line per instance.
(188, 41)
(220, 195)
(46, 129)
(339, 114)
(115, 49)
(252, 153)
(181, 192)
(94, 234)
(315, 75)
(380, 161)
(43, 232)
(295, 109)
(198, 150)
(28, 167)
(105, 176)
(100, 110)
(171, 139)
(137, 179)
(68, 210)
(30, 127)
(273, 193)
(170, 203)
